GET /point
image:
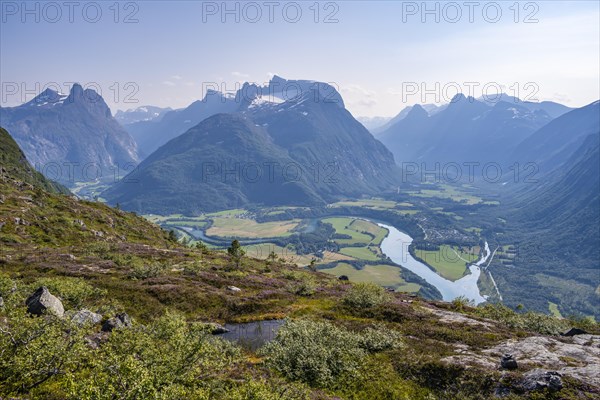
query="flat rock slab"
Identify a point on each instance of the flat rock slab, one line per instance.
(577, 356)
(451, 317)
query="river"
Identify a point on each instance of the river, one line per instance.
(396, 245)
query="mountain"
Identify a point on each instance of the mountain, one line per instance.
(14, 164)
(151, 134)
(72, 138)
(551, 108)
(431, 109)
(144, 113)
(372, 123)
(555, 143)
(466, 130)
(290, 143)
(554, 223)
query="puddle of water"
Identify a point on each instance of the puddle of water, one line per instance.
(252, 335)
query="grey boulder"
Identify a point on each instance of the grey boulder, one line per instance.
(119, 321)
(83, 317)
(42, 301)
(540, 379)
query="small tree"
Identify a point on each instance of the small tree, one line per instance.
(172, 236)
(201, 246)
(236, 252)
(272, 258)
(313, 265)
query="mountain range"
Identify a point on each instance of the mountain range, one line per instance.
(290, 142)
(554, 220)
(143, 113)
(466, 130)
(72, 138)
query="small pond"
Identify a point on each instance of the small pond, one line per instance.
(252, 335)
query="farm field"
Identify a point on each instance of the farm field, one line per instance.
(249, 228)
(449, 262)
(342, 226)
(381, 274)
(361, 232)
(262, 251)
(451, 193)
(361, 253)
(370, 203)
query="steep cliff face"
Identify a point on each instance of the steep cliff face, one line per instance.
(72, 138)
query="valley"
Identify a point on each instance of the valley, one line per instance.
(348, 200)
(344, 238)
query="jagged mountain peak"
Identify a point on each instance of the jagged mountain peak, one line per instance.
(47, 97)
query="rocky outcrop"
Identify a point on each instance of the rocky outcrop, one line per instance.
(42, 301)
(119, 321)
(83, 317)
(577, 357)
(540, 379)
(508, 362)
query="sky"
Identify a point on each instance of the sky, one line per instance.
(381, 56)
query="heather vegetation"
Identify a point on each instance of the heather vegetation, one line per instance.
(98, 303)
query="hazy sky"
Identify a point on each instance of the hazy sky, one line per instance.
(381, 55)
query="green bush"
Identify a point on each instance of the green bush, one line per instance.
(316, 353)
(529, 321)
(461, 303)
(305, 286)
(146, 271)
(319, 353)
(365, 295)
(36, 350)
(167, 359)
(7, 285)
(379, 338)
(74, 292)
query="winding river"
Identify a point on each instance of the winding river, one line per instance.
(395, 246)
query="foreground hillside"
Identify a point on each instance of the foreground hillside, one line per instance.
(97, 303)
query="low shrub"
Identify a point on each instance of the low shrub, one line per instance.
(319, 353)
(365, 295)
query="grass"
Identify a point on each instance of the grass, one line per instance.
(227, 213)
(362, 232)
(553, 307)
(342, 226)
(362, 253)
(380, 274)
(449, 192)
(449, 262)
(249, 228)
(261, 251)
(379, 204)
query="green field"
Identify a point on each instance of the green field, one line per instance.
(249, 228)
(384, 275)
(553, 307)
(449, 192)
(379, 204)
(449, 262)
(227, 213)
(262, 251)
(362, 232)
(342, 226)
(362, 253)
